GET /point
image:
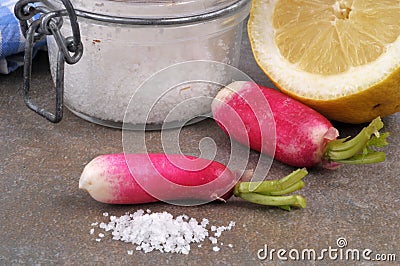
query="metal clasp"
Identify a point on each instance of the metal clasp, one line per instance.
(70, 48)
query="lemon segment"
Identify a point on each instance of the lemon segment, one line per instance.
(331, 54)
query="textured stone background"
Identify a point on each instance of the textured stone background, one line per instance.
(45, 219)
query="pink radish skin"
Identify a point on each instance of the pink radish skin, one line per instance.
(301, 132)
(303, 137)
(108, 179)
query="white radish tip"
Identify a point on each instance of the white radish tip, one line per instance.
(331, 134)
(90, 173)
(94, 181)
(226, 93)
(85, 180)
(84, 184)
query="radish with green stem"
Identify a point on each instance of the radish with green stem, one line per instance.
(303, 137)
(111, 179)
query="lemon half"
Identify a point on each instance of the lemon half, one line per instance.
(341, 58)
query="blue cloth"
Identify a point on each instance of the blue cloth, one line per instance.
(12, 41)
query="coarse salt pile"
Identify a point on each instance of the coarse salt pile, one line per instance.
(160, 231)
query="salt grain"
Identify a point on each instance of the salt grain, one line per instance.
(160, 231)
(231, 224)
(213, 240)
(92, 231)
(204, 222)
(103, 225)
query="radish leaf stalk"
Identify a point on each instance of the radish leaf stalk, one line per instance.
(274, 192)
(358, 150)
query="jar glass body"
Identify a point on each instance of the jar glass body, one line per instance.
(118, 58)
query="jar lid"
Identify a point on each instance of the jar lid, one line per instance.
(153, 9)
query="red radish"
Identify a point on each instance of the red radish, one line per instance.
(303, 137)
(173, 177)
(110, 178)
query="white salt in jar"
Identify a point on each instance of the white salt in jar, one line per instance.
(127, 41)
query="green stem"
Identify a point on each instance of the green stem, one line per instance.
(299, 185)
(285, 207)
(358, 149)
(291, 200)
(373, 157)
(274, 192)
(268, 186)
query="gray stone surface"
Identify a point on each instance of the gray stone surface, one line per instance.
(45, 219)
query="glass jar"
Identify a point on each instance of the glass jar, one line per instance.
(127, 41)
